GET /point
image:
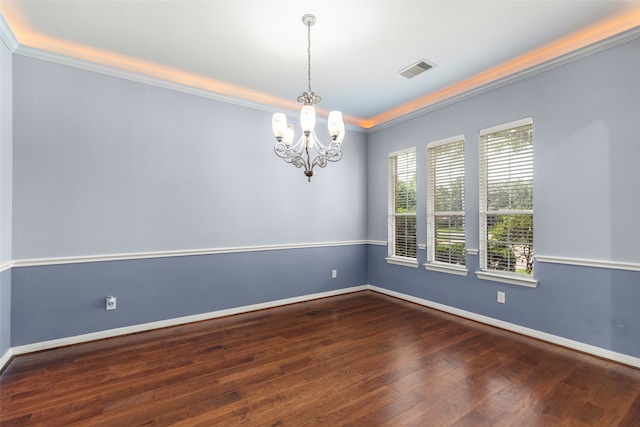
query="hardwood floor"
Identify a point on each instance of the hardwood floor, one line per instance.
(361, 359)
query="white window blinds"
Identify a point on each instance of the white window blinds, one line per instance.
(506, 198)
(402, 204)
(445, 202)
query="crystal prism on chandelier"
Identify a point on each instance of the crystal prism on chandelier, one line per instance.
(302, 154)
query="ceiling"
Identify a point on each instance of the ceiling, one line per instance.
(256, 51)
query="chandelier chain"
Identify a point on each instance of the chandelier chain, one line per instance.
(309, 54)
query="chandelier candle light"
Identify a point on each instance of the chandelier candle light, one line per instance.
(300, 153)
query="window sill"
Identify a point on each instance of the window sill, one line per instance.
(510, 278)
(446, 268)
(406, 262)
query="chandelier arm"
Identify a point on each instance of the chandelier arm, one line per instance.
(294, 159)
(288, 152)
(299, 162)
(326, 148)
(295, 154)
(322, 160)
(331, 150)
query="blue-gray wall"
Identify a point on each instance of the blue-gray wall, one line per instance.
(6, 191)
(586, 124)
(5, 312)
(107, 166)
(59, 301)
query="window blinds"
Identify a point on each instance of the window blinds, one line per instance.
(506, 198)
(445, 202)
(402, 204)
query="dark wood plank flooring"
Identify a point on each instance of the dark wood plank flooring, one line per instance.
(361, 359)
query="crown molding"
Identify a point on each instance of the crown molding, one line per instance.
(7, 35)
(57, 58)
(575, 55)
(354, 124)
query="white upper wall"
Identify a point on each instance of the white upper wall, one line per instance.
(6, 153)
(104, 165)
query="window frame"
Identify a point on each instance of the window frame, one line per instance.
(486, 273)
(393, 215)
(434, 175)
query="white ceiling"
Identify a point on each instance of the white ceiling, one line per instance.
(357, 47)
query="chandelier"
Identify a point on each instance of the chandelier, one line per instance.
(302, 154)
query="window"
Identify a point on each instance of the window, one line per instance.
(402, 208)
(445, 206)
(506, 203)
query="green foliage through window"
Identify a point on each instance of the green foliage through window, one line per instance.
(510, 243)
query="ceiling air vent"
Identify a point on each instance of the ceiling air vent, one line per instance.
(413, 70)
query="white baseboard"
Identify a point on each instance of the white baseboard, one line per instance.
(110, 333)
(5, 358)
(543, 336)
(78, 339)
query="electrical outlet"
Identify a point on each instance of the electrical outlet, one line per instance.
(111, 303)
(334, 274)
(501, 297)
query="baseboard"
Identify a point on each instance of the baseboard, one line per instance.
(111, 333)
(4, 359)
(543, 336)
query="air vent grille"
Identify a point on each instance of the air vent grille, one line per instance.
(416, 69)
